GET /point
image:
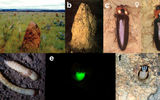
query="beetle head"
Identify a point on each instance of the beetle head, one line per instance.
(121, 10)
(144, 68)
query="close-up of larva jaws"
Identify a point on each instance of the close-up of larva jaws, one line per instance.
(22, 70)
(15, 88)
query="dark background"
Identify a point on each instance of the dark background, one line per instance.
(98, 83)
(33, 61)
(96, 7)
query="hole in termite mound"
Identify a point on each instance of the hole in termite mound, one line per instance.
(120, 57)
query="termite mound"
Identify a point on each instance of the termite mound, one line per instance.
(31, 40)
(83, 29)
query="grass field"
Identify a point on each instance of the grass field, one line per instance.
(14, 24)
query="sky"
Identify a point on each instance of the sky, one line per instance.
(32, 4)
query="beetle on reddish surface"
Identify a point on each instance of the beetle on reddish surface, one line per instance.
(122, 26)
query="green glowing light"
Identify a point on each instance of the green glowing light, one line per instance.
(80, 76)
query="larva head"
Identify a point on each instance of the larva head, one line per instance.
(157, 12)
(121, 10)
(144, 68)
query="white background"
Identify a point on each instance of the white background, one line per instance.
(32, 4)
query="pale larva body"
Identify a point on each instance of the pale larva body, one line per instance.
(16, 88)
(21, 69)
(143, 75)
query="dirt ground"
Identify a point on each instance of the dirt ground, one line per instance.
(33, 61)
(128, 86)
(110, 44)
(147, 19)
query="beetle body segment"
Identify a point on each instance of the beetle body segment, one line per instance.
(122, 26)
(157, 33)
(156, 36)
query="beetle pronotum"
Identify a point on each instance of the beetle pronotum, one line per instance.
(122, 26)
(21, 69)
(16, 88)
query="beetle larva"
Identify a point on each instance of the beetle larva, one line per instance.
(21, 69)
(156, 36)
(16, 88)
(143, 73)
(122, 26)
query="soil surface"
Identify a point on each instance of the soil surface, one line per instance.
(128, 84)
(147, 18)
(32, 61)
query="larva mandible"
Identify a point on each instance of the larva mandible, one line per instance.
(21, 69)
(16, 88)
(122, 26)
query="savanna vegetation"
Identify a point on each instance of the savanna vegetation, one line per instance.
(13, 27)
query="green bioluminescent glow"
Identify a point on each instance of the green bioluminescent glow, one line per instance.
(80, 76)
